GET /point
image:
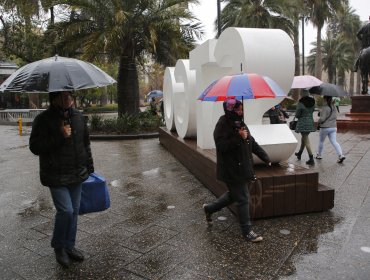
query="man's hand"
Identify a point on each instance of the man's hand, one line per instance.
(66, 131)
(243, 133)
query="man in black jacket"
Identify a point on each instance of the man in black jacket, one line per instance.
(61, 140)
(234, 147)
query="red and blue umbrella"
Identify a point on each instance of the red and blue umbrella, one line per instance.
(241, 87)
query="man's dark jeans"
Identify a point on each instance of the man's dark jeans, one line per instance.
(238, 192)
(67, 203)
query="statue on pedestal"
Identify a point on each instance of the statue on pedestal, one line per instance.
(363, 60)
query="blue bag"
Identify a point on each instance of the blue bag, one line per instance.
(94, 195)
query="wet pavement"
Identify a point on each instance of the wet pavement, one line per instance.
(155, 228)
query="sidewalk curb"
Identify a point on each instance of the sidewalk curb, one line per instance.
(124, 136)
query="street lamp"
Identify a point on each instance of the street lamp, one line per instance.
(303, 18)
(302, 44)
(218, 18)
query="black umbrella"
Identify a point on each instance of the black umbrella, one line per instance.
(56, 74)
(327, 89)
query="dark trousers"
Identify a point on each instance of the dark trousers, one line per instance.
(238, 193)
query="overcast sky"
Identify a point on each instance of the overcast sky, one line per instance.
(207, 13)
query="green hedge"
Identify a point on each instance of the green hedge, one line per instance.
(144, 122)
(101, 109)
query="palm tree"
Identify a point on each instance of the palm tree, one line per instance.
(319, 12)
(336, 56)
(19, 36)
(283, 14)
(129, 31)
(345, 24)
(255, 14)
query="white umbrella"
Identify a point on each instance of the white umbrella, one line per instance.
(305, 81)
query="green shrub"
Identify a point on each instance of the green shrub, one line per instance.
(101, 109)
(144, 122)
(127, 123)
(96, 122)
(109, 125)
(346, 101)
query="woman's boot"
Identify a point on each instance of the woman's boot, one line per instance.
(310, 161)
(298, 155)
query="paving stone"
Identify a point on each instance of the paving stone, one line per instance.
(140, 237)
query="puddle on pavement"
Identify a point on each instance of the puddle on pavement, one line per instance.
(195, 191)
(285, 231)
(317, 227)
(17, 147)
(137, 193)
(365, 249)
(155, 172)
(131, 186)
(177, 169)
(32, 207)
(115, 183)
(151, 172)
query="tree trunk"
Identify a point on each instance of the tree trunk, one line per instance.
(104, 97)
(128, 86)
(52, 17)
(330, 72)
(318, 62)
(341, 78)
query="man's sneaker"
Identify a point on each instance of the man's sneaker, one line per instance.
(208, 216)
(341, 159)
(253, 237)
(318, 156)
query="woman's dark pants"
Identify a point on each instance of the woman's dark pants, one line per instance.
(238, 192)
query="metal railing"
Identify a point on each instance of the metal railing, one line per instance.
(12, 115)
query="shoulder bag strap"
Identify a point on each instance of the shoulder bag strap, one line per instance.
(331, 111)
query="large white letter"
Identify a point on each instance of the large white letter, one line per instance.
(184, 101)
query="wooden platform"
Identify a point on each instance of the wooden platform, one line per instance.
(284, 190)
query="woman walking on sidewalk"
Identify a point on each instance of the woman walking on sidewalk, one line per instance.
(234, 148)
(305, 125)
(328, 127)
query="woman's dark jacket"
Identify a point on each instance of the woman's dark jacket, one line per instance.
(63, 161)
(304, 113)
(234, 154)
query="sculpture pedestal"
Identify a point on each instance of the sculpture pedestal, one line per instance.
(359, 117)
(360, 104)
(285, 189)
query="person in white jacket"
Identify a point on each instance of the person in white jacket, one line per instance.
(328, 127)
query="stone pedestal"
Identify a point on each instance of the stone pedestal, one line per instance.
(359, 116)
(360, 104)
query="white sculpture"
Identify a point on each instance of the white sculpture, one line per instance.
(267, 52)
